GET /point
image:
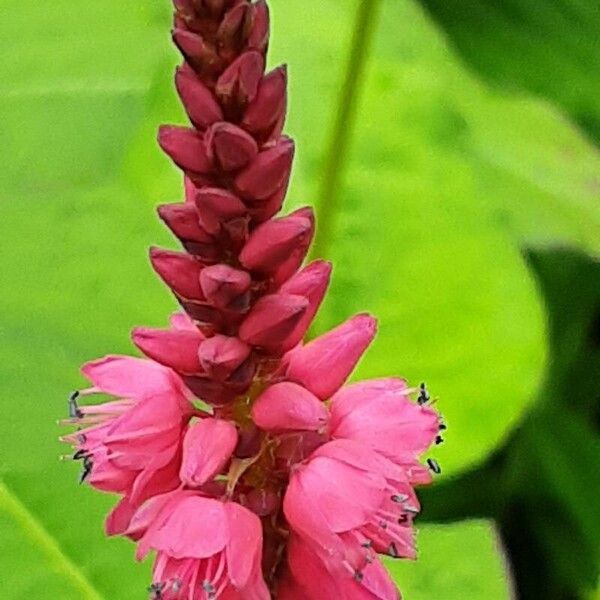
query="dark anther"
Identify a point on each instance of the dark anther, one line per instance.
(209, 588)
(443, 426)
(87, 468)
(79, 454)
(393, 551)
(439, 440)
(383, 524)
(403, 519)
(367, 544)
(424, 396)
(399, 498)
(434, 466)
(81, 438)
(74, 411)
(156, 590)
(358, 576)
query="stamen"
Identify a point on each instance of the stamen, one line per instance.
(434, 466)
(358, 576)
(424, 396)
(393, 551)
(209, 589)
(74, 411)
(439, 440)
(87, 469)
(399, 498)
(156, 590)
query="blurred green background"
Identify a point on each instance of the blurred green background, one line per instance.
(451, 148)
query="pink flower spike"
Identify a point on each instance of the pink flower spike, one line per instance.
(172, 348)
(379, 414)
(272, 324)
(288, 406)
(207, 448)
(325, 363)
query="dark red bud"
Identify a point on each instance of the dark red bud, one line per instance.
(221, 355)
(268, 208)
(258, 37)
(198, 101)
(195, 49)
(216, 206)
(272, 322)
(239, 82)
(182, 220)
(186, 147)
(180, 271)
(223, 286)
(229, 146)
(177, 349)
(269, 104)
(211, 392)
(232, 26)
(268, 172)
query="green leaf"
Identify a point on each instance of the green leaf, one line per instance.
(549, 48)
(455, 561)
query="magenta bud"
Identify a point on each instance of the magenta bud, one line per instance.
(311, 282)
(220, 356)
(277, 242)
(239, 82)
(186, 148)
(194, 48)
(272, 322)
(177, 349)
(207, 448)
(180, 271)
(258, 38)
(324, 364)
(216, 206)
(269, 104)
(268, 172)
(223, 286)
(198, 101)
(231, 29)
(287, 406)
(229, 146)
(182, 220)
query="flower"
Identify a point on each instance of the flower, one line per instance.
(241, 457)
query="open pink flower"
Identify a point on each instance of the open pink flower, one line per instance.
(206, 548)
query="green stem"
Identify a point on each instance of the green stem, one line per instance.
(327, 203)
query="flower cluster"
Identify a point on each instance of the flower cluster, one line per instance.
(241, 457)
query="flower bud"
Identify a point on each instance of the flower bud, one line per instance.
(312, 283)
(216, 206)
(279, 244)
(177, 349)
(269, 104)
(323, 364)
(207, 447)
(185, 147)
(221, 355)
(195, 49)
(268, 172)
(198, 101)
(287, 406)
(182, 220)
(272, 322)
(230, 147)
(225, 287)
(239, 82)
(258, 37)
(209, 391)
(180, 271)
(231, 29)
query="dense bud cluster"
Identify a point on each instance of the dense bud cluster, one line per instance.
(279, 483)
